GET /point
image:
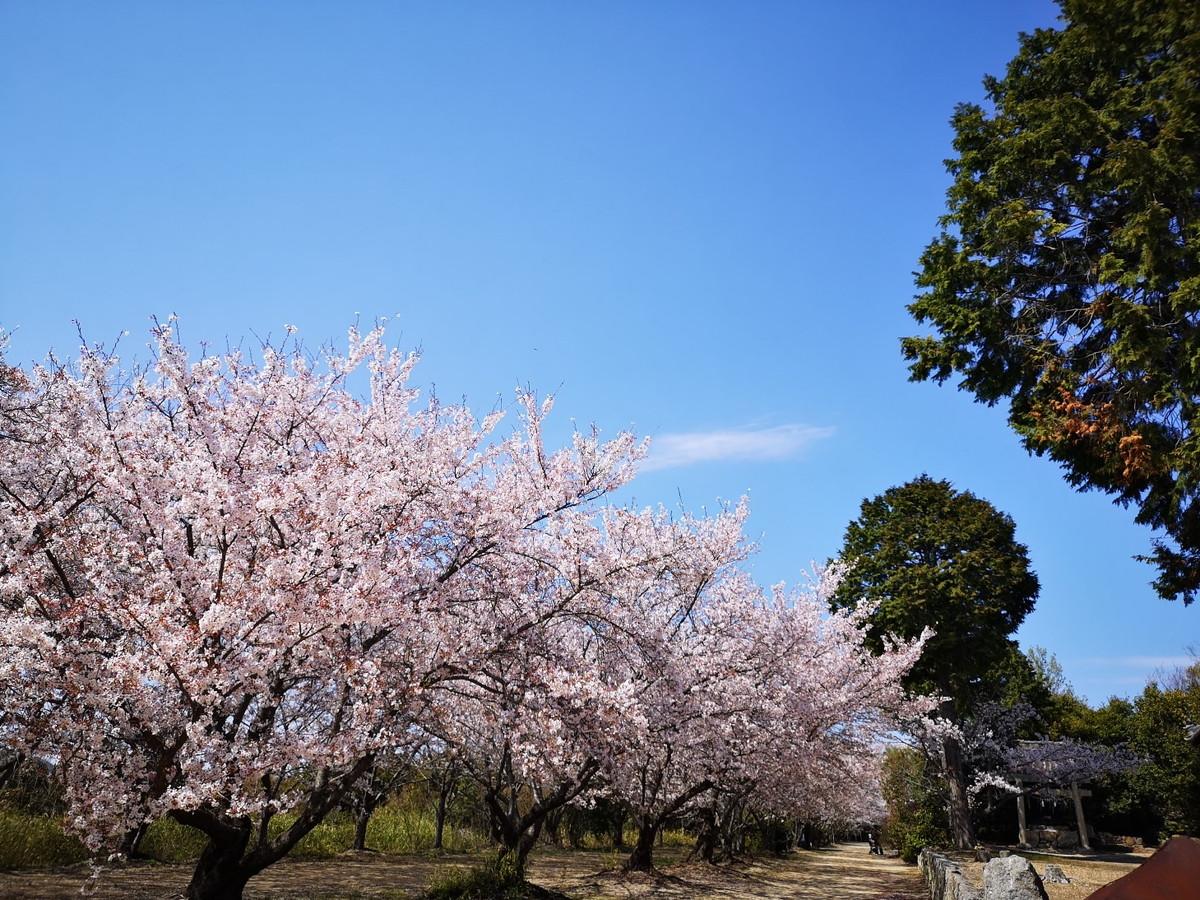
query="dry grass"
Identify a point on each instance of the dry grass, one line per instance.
(1087, 875)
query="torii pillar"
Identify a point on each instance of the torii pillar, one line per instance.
(1022, 836)
(1083, 835)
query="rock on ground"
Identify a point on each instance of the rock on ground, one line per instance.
(1053, 874)
(1012, 878)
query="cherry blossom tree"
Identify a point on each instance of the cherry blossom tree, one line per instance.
(535, 727)
(390, 770)
(768, 696)
(226, 586)
(233, 591)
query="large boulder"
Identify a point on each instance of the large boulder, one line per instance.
(1012, 878)
(1173, 873)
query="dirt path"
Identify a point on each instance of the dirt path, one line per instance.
(845, 872)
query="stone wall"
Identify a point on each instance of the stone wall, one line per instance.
(1004, 878)
(945, 878)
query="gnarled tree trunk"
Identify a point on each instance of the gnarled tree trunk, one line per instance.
(641, 858)
(958, 802)
(517, 832)
(706, 837)
(219, 872)
(229, 860)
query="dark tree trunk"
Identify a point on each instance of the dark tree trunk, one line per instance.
(576, 828)
(725, 830)
(525, 844)
(958, 805)
(225, 865)
(447, 782)
(641, 859)
(360, 826)
(706, 835)
(219, 873)
(552, 828)
(439, 819)
(618, 830)
(132, 842)
(516, 844)
(516, 833)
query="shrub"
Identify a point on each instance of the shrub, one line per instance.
(675, 837)
(770, 836)
(499, 879)
(168, 841)
(915, 814)
(28, 841)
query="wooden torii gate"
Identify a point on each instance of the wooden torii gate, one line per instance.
(1054, 768)
(1076, 793)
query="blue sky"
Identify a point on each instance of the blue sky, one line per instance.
(698, 220)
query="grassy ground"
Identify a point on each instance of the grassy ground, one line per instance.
(30, 842)
(36, 841)
(846, 872)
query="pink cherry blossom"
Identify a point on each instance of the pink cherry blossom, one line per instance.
(229, 588)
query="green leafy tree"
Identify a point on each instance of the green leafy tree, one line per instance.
(915, 807)
(932, 556)
(1016, 679)
(1048, 669)
(1061, 713)
(1066, 276)
(1161, 796)
(1171, 776)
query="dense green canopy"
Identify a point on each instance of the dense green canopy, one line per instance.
(1067, 273)
(932, 556)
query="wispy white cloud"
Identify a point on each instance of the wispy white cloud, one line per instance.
(670, 451)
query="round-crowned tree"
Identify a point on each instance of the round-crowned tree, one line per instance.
(934, 557)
